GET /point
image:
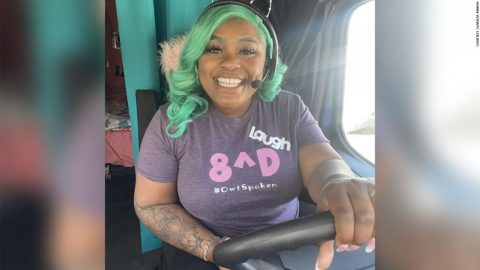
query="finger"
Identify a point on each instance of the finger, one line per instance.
(372, 196)
(374, 228)
(364, 214)
(325, 255)
(352, 247)
(370, 246)
(342, 211)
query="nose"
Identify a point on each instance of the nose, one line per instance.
(230, 62)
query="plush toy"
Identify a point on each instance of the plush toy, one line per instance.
(169, 54)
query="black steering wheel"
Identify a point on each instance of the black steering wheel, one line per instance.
(309, 230)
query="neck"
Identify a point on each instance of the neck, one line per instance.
(234, 112)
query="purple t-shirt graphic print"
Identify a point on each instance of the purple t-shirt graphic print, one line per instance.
(234, 175)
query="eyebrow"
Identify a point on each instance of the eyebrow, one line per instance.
(246, 39)
(214, 37)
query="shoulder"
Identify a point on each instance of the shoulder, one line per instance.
(287, 100)
(288, 94)
(286, 105)
(285, 96)
(163, 109)
(160, 117)
(158, 123)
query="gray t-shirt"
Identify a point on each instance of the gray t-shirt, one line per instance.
(235, 175)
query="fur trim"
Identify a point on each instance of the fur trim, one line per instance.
(169, 53)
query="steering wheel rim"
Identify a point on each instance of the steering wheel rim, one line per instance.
(290, 235)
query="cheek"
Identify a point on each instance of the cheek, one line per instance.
(205, 66)
(259, 65)
(202, 71)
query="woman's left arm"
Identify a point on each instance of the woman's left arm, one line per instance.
(334, 187)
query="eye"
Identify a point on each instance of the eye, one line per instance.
(248, 51)
(214, 49)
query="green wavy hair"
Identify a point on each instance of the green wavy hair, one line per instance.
(186, 95)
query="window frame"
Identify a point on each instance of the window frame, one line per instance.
(330, 116)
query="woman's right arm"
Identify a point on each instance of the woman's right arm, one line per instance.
(156, 205)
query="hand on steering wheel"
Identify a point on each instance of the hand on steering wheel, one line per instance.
(352, 203)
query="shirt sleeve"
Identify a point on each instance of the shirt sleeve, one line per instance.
(309, 132)
(156, 159)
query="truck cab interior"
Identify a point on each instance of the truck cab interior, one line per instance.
(328, 47)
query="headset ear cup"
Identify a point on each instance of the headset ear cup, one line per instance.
(266, 73)
(270, 68)
(266, 69)
(271, 64)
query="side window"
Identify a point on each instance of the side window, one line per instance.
(359, 96)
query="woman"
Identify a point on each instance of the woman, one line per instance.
(224, 158)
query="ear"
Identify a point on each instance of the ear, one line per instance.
(169, 53)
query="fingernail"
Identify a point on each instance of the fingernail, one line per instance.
(370, 246)
(318, 268)
(353, 247)
(341, 248)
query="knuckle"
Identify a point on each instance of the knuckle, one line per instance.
(342, 239)
(332, 189)
(358, 183)
(344, 214)
(365, 218)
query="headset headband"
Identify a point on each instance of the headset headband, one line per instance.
(271, 65)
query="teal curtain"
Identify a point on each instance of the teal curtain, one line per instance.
(142, 25)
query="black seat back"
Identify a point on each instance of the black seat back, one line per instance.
(146, 108)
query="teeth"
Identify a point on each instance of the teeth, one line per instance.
(228, 82)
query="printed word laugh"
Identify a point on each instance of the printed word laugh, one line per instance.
(274, 142)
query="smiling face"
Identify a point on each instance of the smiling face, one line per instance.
(234, 57)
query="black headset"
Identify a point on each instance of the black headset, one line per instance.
(271, 64)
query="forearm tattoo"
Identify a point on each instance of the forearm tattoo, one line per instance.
(174, 225)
